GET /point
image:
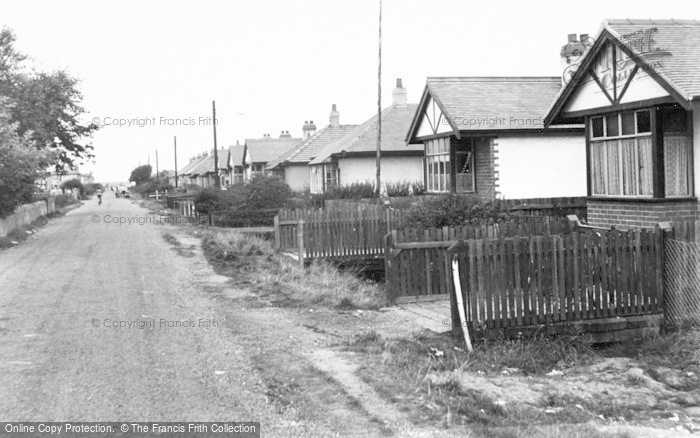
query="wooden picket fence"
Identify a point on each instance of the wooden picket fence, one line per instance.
(338, 233)
(418, 267)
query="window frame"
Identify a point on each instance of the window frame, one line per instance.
(438, 165)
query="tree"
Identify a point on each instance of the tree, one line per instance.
(45, 106)
(71, 184)
(20, 165)
(141, 174)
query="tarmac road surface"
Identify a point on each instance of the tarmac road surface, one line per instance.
(105, 322)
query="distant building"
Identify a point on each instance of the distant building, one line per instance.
(352, 157)
(258, 152)
(51, 181)
(293, 165)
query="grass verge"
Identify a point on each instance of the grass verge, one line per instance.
(252, 262)
(506, 388)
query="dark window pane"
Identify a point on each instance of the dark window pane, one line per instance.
(628, 123)
(643, 122)
(611, 125)
(673, 120)
(597, 127)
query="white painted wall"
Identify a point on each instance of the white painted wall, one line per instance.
(543, 166)
(297, 176)
(696, 147)
(394, 169)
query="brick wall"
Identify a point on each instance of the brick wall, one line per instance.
(640, 214)
(484, 157)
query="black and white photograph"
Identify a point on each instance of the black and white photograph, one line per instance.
(368, 218)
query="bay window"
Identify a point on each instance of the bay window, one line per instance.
(622, 157)
(437, 165)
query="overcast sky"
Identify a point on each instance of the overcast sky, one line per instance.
(271, 65)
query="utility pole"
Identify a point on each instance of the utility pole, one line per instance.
(175, 146)
(216, 154)
(377, 188)
(157, 176)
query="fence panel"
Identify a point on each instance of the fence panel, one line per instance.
(682, 283)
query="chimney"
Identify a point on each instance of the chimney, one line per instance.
(571, 56)
(285, 134)
(335, 117)
(309, 129)
(400, 96)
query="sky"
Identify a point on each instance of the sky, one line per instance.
(156, 67)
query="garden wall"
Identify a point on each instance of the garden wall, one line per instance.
(26, 214)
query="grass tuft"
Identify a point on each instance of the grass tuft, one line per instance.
(252, 261)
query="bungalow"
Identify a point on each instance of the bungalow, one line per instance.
(637, 90)
(485, 136)
(201, 171)
(257, 153)
(183, 175)
(352, 158)
(235, 164)
(294, 163)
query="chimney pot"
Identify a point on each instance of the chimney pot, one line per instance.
(572, 38)
(399, 94)
(335, 117)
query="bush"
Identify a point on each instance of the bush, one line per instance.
(74, 183)
(404, 188)
(456, 210)
(261, 193)
(64, 201)
(91, 188)
(266, 192)
(209, 200)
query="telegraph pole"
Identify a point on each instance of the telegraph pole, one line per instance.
(216, 154)
(157, 176)
(175, 146)
(377, 188)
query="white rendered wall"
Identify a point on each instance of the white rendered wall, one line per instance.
(541, 166)
(394, 169)
(297, 176)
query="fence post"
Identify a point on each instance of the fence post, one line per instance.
(388, 280)
(300, 242)
(278, 242)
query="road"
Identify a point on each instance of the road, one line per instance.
(64, 357)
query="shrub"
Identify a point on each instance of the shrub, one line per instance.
(74, 183)
(209, 200)
(404, 188)
(91, 188)
(456, 210)
(64, 201)
(266, 192)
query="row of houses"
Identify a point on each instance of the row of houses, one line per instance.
(616, 126)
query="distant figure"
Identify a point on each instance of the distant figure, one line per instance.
(99, 196)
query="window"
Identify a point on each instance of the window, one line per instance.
(330, 178)
(464, 166)
(437, 165)
(620, 154)
(674, 123)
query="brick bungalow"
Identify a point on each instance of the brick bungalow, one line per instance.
(637, 90)
(485, 136)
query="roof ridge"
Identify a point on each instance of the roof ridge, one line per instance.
(651, 21)
(494, 78)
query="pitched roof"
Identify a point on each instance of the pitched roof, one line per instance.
(206, 165)
(503, 100)
(189, 166)
(396, 119)
(677, 42)
(305, 151)
(236, 154)
(681, 38)
(264, 150)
